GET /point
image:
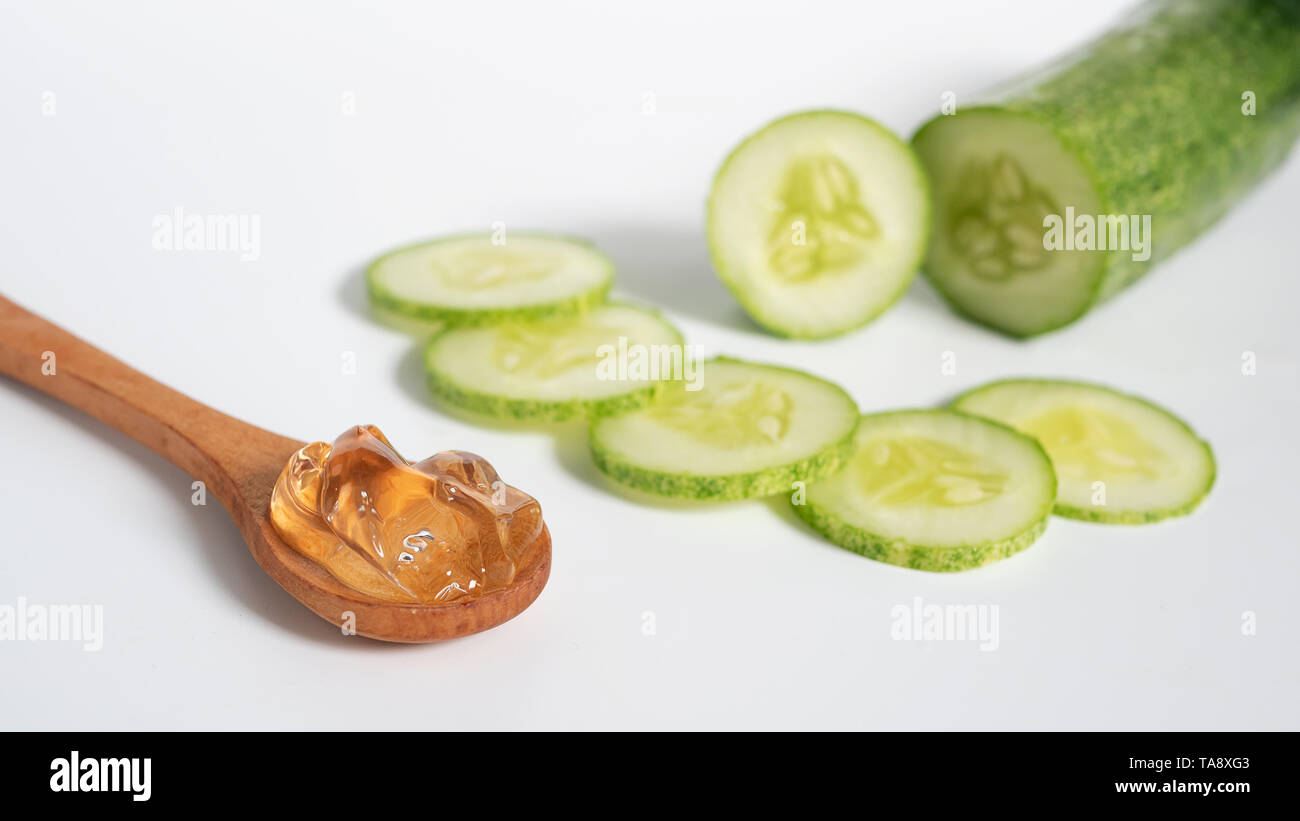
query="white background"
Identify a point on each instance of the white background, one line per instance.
(535, 115)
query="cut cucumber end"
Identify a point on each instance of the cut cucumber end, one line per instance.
(1120, 459)
(996, 175)
(750, 430)
(817, 223)
(609, 359)
(934, 490)
(473, 279)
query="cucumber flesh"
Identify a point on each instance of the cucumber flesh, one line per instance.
(818, 222)
(996, 175)
(556, 368)
(472, 279)
(1173, 115)
(1120, 459)
(750, 430)
(934, 490)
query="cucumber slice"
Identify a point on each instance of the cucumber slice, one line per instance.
(1164, 123)
(935, 490)
(818, 222)
(556, 368)
(1149, 463)
(470, 280)
(750, 430)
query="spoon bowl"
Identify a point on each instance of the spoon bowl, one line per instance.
(239, 464)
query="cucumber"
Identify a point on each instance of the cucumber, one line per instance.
(750, 430)
(817, 223)
(472, 279)
(1150, 119)
(556, 368)
(1120, 459)
(934, 490)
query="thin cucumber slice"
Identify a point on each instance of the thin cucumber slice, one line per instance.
(818, 222)
(473, 280)
(934, 490)
(1120, 459)
(607, 359)
(750, 430)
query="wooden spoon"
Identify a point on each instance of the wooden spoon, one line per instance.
(239, 464)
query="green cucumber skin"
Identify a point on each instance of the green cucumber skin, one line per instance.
(1152, 110)
(1131, 518)
(915, 557)
(776, 327)
(458, 317)
(927, 557)
(1092, 514)
(532, 410)
(732, 487)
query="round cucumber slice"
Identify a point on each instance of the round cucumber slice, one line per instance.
(934, 490)
(749, 430)
(610, 358)
(818, 222)
(1120, 459)
(996, 175)
(471, 279)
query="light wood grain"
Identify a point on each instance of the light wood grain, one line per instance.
(238, 463)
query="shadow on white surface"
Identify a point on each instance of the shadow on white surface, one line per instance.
(669, 268)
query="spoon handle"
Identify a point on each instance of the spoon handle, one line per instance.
(223, 452)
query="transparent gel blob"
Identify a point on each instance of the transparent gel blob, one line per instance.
(440, 531)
